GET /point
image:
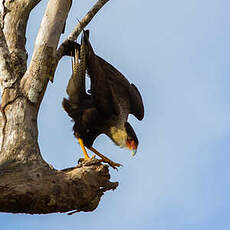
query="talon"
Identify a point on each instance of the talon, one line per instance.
(105, 159)
(113, 164)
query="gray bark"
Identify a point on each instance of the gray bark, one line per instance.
(27, 183)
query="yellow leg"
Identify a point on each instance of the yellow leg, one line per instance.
(105, 159)
(83, 149)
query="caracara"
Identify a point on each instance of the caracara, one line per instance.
(105, 110)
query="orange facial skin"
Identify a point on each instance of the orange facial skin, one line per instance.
(132, 145)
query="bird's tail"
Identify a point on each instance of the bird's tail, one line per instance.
(76, 85)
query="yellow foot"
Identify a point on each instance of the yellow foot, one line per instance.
(105, 159)
(111, 163)
(83, 149)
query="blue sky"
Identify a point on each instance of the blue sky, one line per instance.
(178, 54)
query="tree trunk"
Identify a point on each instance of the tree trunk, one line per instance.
(27, 183)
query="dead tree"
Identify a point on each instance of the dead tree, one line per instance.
(27, 183)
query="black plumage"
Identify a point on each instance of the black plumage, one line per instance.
(105, 110)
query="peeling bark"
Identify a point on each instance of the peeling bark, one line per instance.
(6, 77)
(20, 132)
(37, 190)
(43, 63)
(15, 22)
(27, 183)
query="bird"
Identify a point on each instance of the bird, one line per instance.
(107, 105)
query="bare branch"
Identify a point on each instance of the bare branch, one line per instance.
(87, 18)
(43, 63)
(83, 23)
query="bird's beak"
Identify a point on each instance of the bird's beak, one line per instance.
(132, 146)
(133, 152)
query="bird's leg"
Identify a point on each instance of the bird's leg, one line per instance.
(86, 156)
(105, 159)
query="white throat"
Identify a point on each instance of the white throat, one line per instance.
(119, 136)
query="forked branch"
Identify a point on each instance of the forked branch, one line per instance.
(27, 183)
(35, 80)
(83, 23)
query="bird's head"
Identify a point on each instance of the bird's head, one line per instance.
(125, 137)
(132, 141)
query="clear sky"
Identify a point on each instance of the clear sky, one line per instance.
(178, 54)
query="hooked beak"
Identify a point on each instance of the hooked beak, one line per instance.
(132, 146)
(133, 152)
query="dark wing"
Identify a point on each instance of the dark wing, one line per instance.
(110, 88)
(113, 74)
(137, 106)
(124, 89)
(100, 88)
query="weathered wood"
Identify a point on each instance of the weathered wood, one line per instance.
(34, 189)
(6, 77)
(20, 132)
(43, 63)
(15, 22)
(27, 183)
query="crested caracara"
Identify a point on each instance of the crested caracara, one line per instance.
(105, 110)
